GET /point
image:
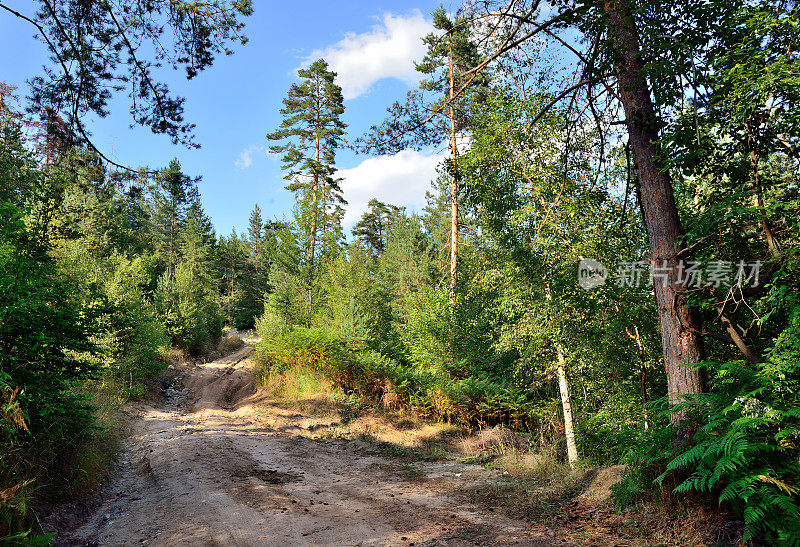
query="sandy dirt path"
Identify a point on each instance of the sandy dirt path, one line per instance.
(219, 464)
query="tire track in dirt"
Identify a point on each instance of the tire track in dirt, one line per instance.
(218, 464)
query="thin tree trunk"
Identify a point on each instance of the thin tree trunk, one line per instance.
(730, 327)
(314, 202)
(171, 264)
(230, 294)
(772, 245)
(680, 325)
(643, 368)
(566, 402)
(453, 185)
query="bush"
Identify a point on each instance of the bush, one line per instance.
(388, 382)
(271, 326)
(132, 343)
(745, 450)
(189, 310)
(45, 336)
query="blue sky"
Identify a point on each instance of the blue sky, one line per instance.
(237, 101)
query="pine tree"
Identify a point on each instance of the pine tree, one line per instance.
(232, 256)
(173, 193)
(419, 124)
(309, 136)
(448, 57)
(256, 232)
(373, 228)
(198, 242)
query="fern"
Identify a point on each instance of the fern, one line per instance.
(746, 451)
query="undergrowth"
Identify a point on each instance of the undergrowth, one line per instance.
(384, 381)
(51, 468)
(739, 445)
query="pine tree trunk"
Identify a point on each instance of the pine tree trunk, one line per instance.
(453, 186)
(680, 326)
(171, 261)
(314, 201)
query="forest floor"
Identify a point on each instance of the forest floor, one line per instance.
(217, 462)
(213, 460)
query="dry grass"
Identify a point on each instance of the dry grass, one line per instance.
(577, 505)
(496, 441)
(397, 432)
(535, 486)
(228, 343)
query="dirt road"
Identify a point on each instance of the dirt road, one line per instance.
(219, 464)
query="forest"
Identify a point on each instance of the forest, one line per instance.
(608, 262)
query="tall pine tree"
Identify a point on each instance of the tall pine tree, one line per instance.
(422, 122)
(173, 193)
(309, 135)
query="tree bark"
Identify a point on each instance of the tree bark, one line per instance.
(730, 326)
(314, 199)
(680, 325)
(566, 405)
(453, 184)
(772, 245)
(566, 402)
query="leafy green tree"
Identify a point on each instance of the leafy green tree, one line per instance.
(251, 284)
(46, 344)
(17, 168)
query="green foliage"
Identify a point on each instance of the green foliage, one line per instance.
(124, 264)
(308, 138)
(45, 336)
(386, 381)
(744, 450)
(190, 311)
(374, 226)
(172, 195)
(130, 337)
(93, 35)
(428, 333)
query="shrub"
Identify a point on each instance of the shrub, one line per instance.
(189, 310)
(45, 336)
(132, 343)
(745, 449)
(388, 382)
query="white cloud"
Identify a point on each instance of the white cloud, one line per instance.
(401, 179)
(387, 51)
(246, 156)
